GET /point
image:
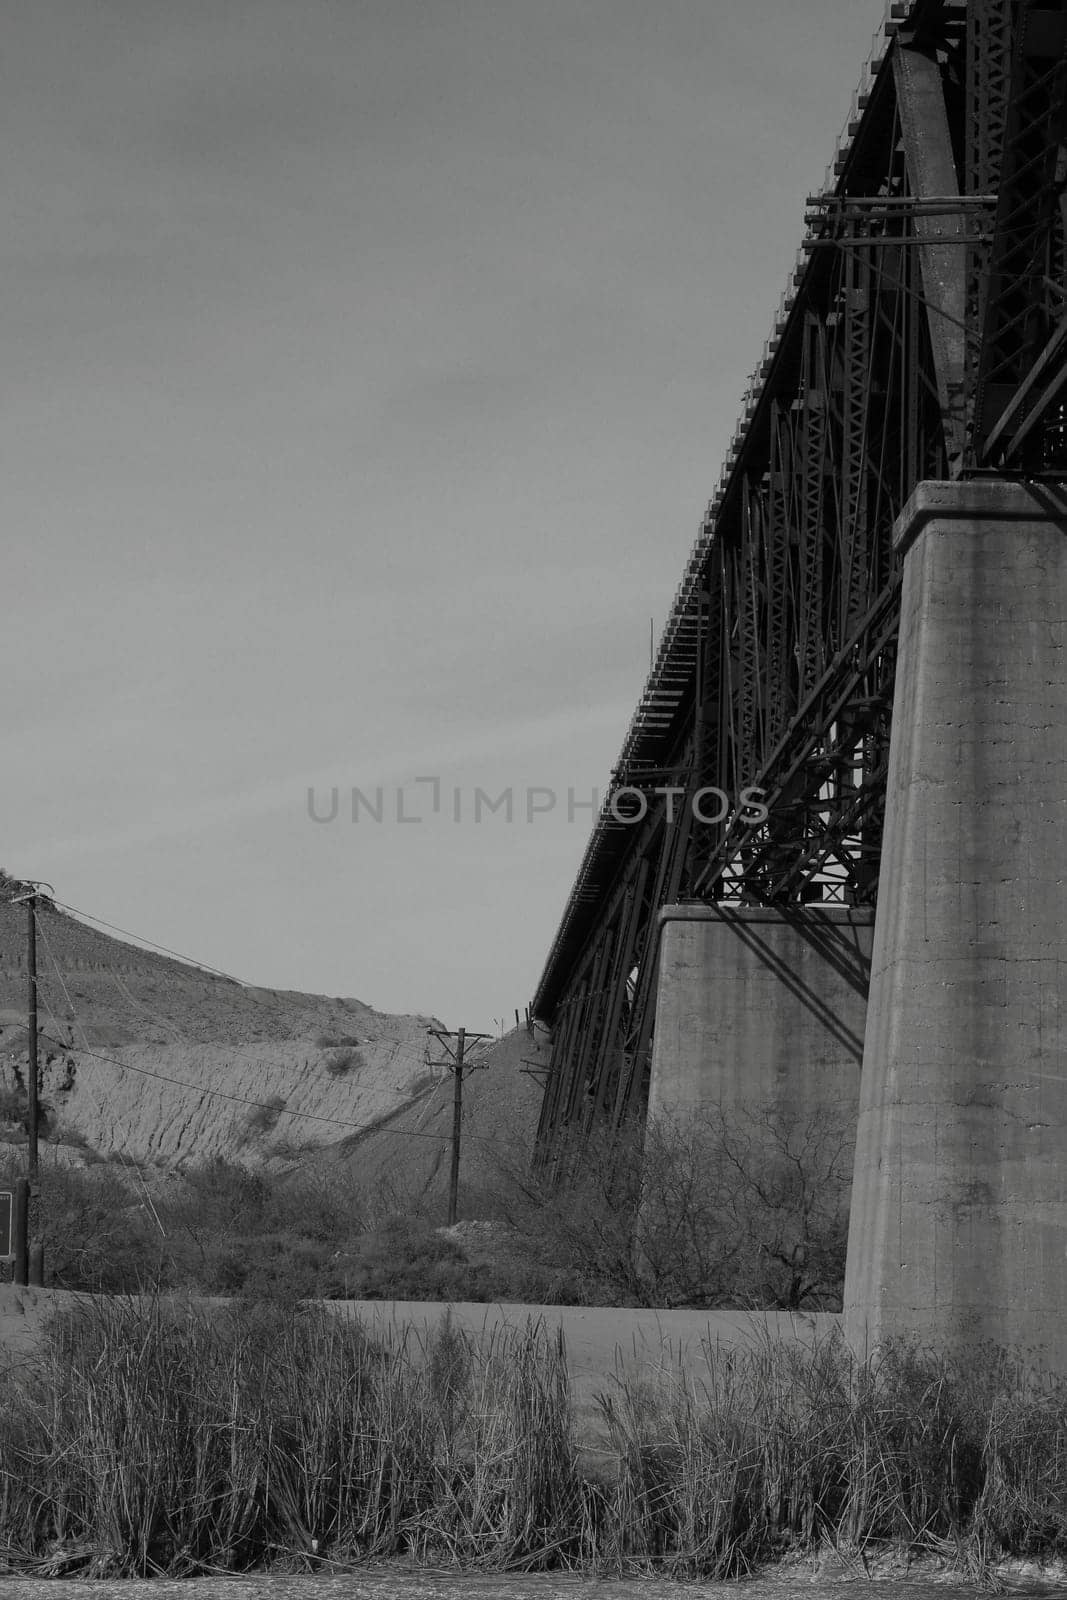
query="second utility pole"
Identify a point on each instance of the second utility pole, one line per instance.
(458, 1058)
(457, 1123)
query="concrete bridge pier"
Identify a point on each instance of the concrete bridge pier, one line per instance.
(958, 1230)
(759, 1008)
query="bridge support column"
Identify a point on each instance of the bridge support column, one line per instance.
(761, 1008)
(958, 1231)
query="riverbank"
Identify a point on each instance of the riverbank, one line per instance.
(176, 1438)
(827, 1577)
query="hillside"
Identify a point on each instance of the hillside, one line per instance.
(406, 1156)
(139, 1052)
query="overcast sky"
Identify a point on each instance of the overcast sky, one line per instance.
(368, 365)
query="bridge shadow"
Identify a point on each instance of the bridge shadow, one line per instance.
(836, 943)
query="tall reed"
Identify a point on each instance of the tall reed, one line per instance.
(783, 1447)
(147, 1437)
(152, 1437)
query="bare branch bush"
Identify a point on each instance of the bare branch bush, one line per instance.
(749, 1206)
(746, 1206)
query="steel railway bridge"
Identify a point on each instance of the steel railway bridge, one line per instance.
(923, 336)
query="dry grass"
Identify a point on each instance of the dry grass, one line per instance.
(150, 1437)
(785, 1447)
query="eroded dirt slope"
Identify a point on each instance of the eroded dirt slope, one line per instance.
(138, 1052)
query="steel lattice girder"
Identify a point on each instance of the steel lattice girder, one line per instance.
(930, 284)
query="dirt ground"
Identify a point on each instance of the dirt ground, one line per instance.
(825, 1577)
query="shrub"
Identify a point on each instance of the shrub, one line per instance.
(231, 1230)
(97, 1236)
(12, 1105)
(222, 1197)
(320, 1203)
(403, 1261)
(340, 1062)
(744, 1208)
(747, 1208)
(264, 1118)
(281, 1269)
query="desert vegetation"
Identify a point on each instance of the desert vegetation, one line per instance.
(342, 1060)
(747, 1210)
(155, 1430)
(161, 1436)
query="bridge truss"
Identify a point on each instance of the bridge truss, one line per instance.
(923, 336)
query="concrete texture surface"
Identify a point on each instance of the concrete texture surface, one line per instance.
(959, 1204)
(761, 1008)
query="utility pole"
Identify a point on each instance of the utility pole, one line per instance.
(29, 1256)
(458, 1063)
(31, 1029)
(457, 1124)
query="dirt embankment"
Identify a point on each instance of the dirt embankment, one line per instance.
(160, 1061)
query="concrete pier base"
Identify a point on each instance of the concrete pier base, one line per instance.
(958, 1230)
(761, 1009)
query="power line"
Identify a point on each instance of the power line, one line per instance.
(216, 1094)
(137, 1177)
(239, 1099)
(202, 966)
(255, 992)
